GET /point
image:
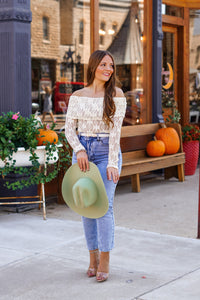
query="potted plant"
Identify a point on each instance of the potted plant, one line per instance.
(20, 136)
(191, 138)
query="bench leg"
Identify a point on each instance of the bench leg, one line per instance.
(175, 171)
(181, 174)
(135, 183)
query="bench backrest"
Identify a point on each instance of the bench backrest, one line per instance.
(137, 136)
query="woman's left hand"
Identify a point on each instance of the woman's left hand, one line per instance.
(112, 174)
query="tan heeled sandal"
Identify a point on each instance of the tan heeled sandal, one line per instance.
(91, 272)
(101, 276)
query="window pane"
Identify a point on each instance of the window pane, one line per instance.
(81, 32)
(194, 65)
(172, 11)
(123, 37)
(102, 33)
(45, 28)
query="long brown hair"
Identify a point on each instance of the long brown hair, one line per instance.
(109, 104)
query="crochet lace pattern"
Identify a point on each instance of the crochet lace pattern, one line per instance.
(85, 114)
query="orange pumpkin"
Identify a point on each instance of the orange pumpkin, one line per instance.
(170, 138)
(155, 148)
(47, 135)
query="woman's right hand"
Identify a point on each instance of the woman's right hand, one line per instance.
(82, 160)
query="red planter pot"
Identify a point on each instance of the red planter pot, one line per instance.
(191, 150)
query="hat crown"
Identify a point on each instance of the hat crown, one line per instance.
(85, 189)
(84, 192)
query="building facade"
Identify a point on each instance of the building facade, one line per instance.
(65, 32)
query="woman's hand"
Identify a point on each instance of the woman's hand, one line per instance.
(82, 160)
(112, 174)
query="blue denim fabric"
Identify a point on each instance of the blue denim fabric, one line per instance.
(99, 232)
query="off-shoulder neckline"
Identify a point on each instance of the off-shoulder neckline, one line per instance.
(96, 97)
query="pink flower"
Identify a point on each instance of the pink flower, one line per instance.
(47, 126)
(15, 116)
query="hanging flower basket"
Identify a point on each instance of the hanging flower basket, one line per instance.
(191, 149)
(21, 152)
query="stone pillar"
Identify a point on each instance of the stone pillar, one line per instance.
(15, 56)
(157, 62)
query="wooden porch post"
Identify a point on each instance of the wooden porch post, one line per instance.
(94, 25)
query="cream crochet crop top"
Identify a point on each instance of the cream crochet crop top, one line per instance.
(85, 114)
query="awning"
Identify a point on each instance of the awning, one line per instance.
(127, 46)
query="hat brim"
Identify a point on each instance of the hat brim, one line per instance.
(100, 207)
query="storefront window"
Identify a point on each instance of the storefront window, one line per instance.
(194, 65)
(123, 37)
(172, 11)
(74, 50)
(60, 57)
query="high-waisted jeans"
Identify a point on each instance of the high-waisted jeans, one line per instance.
(99, 232)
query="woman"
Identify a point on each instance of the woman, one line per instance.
(47, 104)
(98, 111)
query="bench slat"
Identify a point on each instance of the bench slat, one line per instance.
(139, 130)
(146, 165)
(142, 159)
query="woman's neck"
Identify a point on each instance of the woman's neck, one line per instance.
(97, 89)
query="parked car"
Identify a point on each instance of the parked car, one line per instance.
(62, 92)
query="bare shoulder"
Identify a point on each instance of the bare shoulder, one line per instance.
(119, 92)
(80, 93)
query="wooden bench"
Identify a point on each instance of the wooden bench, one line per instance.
(135, 160)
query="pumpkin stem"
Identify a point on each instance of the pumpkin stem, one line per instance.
(155, 139)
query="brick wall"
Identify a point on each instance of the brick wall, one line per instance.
(41, 48)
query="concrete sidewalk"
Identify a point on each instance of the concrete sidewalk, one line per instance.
(48, 259)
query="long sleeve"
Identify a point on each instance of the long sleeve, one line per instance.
(115, 132)
(114, 142)
(70, 133)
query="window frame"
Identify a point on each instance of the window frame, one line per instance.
(81, 32)
(45, 28)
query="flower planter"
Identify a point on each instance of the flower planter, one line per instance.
(22, 157)
(191, 150)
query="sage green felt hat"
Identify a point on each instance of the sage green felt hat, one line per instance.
(84, 192)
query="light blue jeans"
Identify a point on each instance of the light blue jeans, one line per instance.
(99, 233)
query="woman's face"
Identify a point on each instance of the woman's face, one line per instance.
(105, 69)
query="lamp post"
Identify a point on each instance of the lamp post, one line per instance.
(69, 63)
(78, 68)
